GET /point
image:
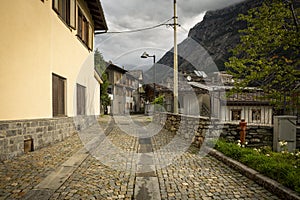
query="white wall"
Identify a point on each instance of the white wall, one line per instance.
(86, 78)
(246, 113)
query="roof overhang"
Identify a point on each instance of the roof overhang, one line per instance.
(97, 77)
(113, 67)
(97, 15)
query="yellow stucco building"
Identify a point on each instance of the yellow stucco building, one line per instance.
(44, 43)
(46, 69)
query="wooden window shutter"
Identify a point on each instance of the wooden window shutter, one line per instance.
(61, 97)
(73, 14)
(83, 29)
(54, 95)
(55, 5)
(79, 30)
(67, 11)
(86, 31)
(81, 100)
(90, 40)
(58, 96)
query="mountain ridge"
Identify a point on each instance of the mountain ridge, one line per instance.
(213, 37)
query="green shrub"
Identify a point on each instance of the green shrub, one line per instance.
(282, 167)
(254, 159)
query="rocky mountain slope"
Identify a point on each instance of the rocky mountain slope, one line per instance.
(208, 43)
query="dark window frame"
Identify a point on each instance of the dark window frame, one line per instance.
(255, 113)
(236, 114)
(64, 9)
(85, 30)
(59, 96)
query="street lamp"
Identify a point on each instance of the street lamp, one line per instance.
(146, 55)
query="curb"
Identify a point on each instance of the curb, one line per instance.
(269, 184)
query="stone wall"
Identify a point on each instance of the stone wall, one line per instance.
(199, 128)
(256, 135)
(15, 136)
(190, 127)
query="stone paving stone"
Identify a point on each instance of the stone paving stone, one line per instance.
(189, 176)
(100, 181)
(197, 177)
(21, 174)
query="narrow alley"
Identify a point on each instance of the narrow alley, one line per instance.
(67, 170)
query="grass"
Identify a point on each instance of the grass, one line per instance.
(283, 167)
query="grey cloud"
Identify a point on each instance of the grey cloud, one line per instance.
(134, 14)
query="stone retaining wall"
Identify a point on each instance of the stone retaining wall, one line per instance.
(15, 135)
(199, 128)
(256, 135)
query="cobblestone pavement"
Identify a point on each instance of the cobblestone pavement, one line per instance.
(23, 173)
(190, 176)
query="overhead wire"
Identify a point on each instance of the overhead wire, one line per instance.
(137, 30)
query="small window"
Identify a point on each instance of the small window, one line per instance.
(85, 30)
(256, 114)
(236, 114)
(109, 90)
(58, 96)
(180, 101)
(66, 9)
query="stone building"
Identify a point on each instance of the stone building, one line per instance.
(123, 90)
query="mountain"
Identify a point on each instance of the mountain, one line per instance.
(208, 43)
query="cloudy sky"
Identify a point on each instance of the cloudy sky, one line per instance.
(125, 49)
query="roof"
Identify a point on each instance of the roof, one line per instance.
(97, 14)
(251, 95)
(212, 87)
(113, 67)
(201, 74)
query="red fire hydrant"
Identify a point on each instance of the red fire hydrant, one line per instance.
(243, 126)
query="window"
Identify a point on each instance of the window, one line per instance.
(256, 114)
(66, 9)
(180, 101)
(236, 114)
(58, 96)
(85, 30)
(80, 99)
(109, 89)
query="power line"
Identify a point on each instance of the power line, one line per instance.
(137, 30)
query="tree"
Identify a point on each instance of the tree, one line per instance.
(104, 97)
(268, 53)
(159, 100)
(158, 103)
(100, 65)
(99, 61)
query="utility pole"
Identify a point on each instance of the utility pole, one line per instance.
(175, 61)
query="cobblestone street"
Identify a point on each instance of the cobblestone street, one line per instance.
(83, 176)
